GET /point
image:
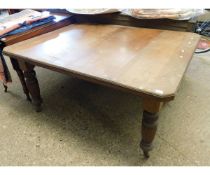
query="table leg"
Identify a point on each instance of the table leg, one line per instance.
(32, 84)
(16, 67)
(5, 87)
(149, 124)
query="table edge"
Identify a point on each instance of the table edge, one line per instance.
(165, 97)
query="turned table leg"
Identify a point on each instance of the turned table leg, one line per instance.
(32, 84)
(5, 88)
(16, 67)
(149, 124)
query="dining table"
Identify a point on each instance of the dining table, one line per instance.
(149, 63)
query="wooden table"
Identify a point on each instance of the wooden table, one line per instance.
(147, 62)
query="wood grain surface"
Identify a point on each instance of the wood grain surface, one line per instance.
(148, 61)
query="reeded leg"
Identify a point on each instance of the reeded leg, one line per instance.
(21, 77)
(149, 124)
(32, 84)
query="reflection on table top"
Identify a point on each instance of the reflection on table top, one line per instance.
(144, 60)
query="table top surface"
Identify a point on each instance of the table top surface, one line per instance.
(148, 61)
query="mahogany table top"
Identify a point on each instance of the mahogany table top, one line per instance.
(147, 61)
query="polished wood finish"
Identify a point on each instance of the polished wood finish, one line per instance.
(152, 105)
(149, 128)
(151, 62)
(16, 67)
(32, 84)
(151, 108)
(146, 62)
